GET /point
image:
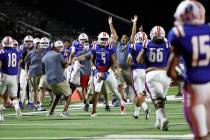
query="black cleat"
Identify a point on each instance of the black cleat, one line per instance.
(146, 114)
(86, 107)
(107, 108)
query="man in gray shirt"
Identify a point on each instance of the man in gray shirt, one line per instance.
(54, 63)
(122, 56)
(33, 68)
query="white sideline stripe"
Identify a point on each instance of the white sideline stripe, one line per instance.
(56, 124)
(79, 106)
(189, 136)
(85, 113)
(109, 137)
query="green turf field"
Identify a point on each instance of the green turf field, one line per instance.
(107, 125)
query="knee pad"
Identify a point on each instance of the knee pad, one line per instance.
(159, 102)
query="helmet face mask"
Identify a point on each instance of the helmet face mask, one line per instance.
(83, 39)
(103, 39)
(44, 42)
(189, 12)
(28, 41)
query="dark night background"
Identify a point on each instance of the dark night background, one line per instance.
(150, 12)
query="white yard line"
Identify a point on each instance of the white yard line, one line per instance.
(72, 123)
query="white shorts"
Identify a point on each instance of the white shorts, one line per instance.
(138, 80)
(67, 73)
(9, 83)
(75, 73)
(110, 83)
(157, 83)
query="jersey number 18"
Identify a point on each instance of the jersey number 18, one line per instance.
(12, 59)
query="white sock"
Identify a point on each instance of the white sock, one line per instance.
(144, 106)
(157, 116)
(161, 113)
(16, 104)
(1, 107)
(137, 109)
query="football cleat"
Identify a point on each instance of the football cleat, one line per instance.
(146, 114)
(65, 114)
(135, 116)
(93, 115)
(18, 113)
(164, 124)
(107, 108)
(86, 107)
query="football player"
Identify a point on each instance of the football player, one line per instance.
(156, 53)
(9, 63)
(104, 58)
(138, 74)
(190, 38)
(24, 86)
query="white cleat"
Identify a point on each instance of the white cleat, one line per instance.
(18, 113)
(164, 124)
(65, 114)
(51, 114)
(157, 125)
(93, 115)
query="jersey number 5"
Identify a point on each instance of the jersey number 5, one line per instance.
(103, 57)
(201, 50)
(12, 57)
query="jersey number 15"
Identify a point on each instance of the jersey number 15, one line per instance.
(200, 48)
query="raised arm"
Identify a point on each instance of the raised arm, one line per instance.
(112, 29)
(134, 28)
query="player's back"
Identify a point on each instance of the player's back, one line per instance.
(194, 42)
(134, 50)
(10, 58)
(157, 53)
